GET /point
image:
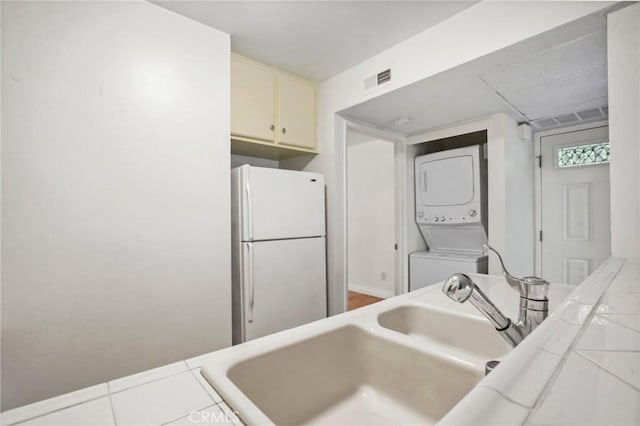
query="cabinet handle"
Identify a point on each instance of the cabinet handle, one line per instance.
(272, 127)
(284, 130)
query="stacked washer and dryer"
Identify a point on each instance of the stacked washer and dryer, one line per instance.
(451, 212)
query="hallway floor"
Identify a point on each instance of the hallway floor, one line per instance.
(358, 300)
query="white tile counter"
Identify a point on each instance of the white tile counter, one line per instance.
(175, 394)
(582, 366)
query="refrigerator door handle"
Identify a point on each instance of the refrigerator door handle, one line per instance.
(250, 286)
(247, 191)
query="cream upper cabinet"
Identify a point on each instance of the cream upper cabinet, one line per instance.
(296, 111)
(253, 113)
(271, 107)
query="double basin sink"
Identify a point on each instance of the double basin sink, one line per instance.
(395, 362)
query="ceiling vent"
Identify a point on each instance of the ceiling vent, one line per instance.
(584, 116)
(377, 80)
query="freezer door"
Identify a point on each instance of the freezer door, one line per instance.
(284, 285)
(279, 204)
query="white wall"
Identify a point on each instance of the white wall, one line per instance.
(511, 197)
(623, 46)
(115, 186)
(371, 215)
(479, 30)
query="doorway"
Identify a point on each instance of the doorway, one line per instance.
(371, 218)
(574, 234)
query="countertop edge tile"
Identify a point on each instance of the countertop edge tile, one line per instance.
(40, 408)
(485, 406)
(147, 376)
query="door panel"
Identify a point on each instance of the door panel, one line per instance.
(575, 270)
(284, 204)
(296, 112)
(289, 285)
(575, 209)
(252, 100)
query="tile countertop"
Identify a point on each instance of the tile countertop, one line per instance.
(582, 366)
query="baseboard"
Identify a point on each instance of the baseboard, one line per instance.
(371, 291)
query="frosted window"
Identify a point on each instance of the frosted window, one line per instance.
(583, 155)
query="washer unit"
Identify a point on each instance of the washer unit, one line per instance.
(430, 267)
(451, 212)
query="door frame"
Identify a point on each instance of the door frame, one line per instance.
(401, 260)
(538, 182)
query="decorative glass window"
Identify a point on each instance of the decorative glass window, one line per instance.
(583, 155)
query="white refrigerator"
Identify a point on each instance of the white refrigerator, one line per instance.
(278, 244)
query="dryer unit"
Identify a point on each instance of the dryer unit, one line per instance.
(451, 212)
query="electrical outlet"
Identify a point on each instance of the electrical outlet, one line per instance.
(383, 276)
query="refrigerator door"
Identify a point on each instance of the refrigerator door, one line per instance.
(280, 204)
(284, 285)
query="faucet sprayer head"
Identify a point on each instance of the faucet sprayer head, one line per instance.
(458, 287)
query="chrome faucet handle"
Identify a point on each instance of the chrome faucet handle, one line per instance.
(529, 287)
(458, 287)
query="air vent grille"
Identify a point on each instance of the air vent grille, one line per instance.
(377, 80)
(384, 76)
(584, 116)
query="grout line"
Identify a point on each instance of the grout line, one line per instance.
(205, 389)
(187, 414)
(619, 323)
(56, 410)
(609, 350)
(600, 367)
(145, 383)
(507, 398)
(113, 410)
(583, 328)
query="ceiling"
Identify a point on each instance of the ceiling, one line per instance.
(316, 39)
(555, 74)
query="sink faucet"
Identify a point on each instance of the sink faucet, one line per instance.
(534, 304)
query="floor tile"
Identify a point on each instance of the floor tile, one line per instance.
(95, 413)
(53, 404)
(147, 376)
(624, 365)
(604, 334)
(160, 401)
(584, 394)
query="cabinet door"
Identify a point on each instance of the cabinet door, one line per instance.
(252, 100)
(297, 112)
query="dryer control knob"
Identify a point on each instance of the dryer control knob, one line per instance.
(473, 213)
(442, 219)
(436, 219)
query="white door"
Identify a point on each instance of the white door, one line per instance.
(575, 215)
(282, 204)
(284, 284)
